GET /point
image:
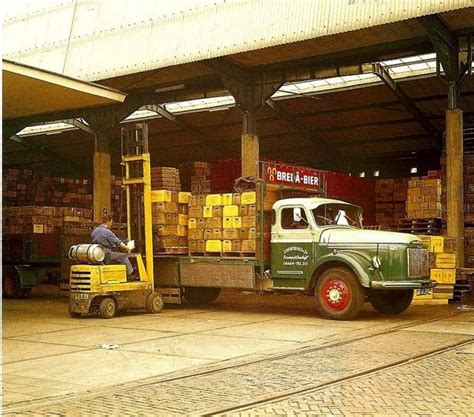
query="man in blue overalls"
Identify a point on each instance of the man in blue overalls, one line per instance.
(103, 236)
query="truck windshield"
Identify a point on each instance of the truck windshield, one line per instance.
(338, 214)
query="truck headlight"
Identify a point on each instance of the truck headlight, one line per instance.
(376, 262)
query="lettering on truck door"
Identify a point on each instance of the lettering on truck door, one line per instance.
(292, 247)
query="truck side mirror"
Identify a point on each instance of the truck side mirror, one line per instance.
(297, 217)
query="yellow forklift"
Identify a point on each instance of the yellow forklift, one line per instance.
(103, 289)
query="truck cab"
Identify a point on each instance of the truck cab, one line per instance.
(319, 246)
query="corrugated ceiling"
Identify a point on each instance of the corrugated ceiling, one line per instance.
(93, 39)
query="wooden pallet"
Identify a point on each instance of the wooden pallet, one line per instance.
(172, 251)
(429, 226)
(464, 286)
(223, 254)
(236, 254)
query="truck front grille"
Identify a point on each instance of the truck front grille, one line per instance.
(80, 281)
(418, 263)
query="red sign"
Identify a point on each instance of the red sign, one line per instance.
(293, 176)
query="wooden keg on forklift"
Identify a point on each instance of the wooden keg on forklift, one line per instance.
(101, 288)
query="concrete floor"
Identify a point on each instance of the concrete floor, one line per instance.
(47, 354)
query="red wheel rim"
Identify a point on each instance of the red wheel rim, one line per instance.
(336, 294)
(9, 283)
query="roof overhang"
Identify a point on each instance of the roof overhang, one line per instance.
(30, 91)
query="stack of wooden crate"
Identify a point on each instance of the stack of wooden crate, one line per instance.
(223, 224)
(390, 197)
(469, 210)
(165, 178)
(170, 221)
(24, 187)
(196, 176)
(442, 269)
(424, 198)
(33, 219)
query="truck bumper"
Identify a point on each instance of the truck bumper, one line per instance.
(80, 302)
(402, 285)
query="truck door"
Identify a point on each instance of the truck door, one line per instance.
(293, 247)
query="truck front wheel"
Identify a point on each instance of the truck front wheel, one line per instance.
(391, 302)
(12, 284)
(339, 295)
(201, 295)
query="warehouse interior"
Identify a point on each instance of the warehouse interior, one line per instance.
(370, 103)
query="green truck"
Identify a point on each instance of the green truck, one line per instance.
(318, 247)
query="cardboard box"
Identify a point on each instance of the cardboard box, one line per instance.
(227, 246)
(207, 212)
(248, 245)
(213, 246)
(249, 221)
(214, 200)
(184, 197)
(230, 234)
(236, 199)
(207, 234)
(192, 224)
(195, 211)
(160, 196)
(236, 222)
(195, 234)
(236, 246)
(249, 197)
(231, 211)
(214, 222)
(217, 211)
(227, 199)
(216, 234)
(165, 207)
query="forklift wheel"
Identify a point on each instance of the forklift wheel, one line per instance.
(154, 303)
(73, 314)
(107, 308)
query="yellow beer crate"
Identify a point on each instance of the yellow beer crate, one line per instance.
(231, 211)
(248, 197)
(213, 245)
(214, 200)
(160, 196)
(183, 197)
(227, 199)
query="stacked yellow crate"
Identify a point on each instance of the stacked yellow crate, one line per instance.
(222, 223)
(424, 198)
(170, 221)
(442, 266)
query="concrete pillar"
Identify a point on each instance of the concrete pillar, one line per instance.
(102, 174)
(250, 146)
(455, 181)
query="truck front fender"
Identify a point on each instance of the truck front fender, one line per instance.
(27, 276)
(356, 262)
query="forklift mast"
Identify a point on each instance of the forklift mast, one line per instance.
(137, 181)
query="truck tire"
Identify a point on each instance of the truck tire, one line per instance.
(11, 284)
(339, 295)
(391, 302)
(154, 303)
(107, 308)
(201, 295)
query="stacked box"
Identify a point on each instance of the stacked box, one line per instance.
(24, 187)
(424, 198)
(33, 219)
(170, 221)
(222, 223)
(196, 176)
(165, 178)
(390, 197)
(442, 265)
(468, 205)
(118, 204)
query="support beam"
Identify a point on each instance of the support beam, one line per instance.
(384, 75)
(454, 180)
(311, 135)
(251, 90)
(213, 146)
